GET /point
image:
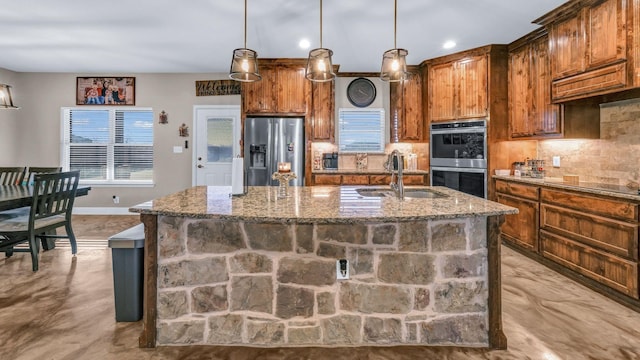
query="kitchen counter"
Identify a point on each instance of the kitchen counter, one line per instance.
(261, 270)
(619, 191)
(367, 172)
(309, 204)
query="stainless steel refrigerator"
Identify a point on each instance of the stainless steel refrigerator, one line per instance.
(268, 141)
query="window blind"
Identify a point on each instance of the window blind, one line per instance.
(109, 145)
(361, 130)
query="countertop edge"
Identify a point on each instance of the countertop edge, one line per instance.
(557, 183)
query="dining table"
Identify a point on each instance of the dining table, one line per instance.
(17, 196)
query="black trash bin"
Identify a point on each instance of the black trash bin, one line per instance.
(127, 255)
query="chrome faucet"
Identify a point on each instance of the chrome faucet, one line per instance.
(396, 185)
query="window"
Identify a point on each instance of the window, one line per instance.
(361, 130)
(109, 146)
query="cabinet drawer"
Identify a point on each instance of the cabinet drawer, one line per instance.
(616, 237)
(355, 179)
(618, 209)
(517, 189)
(616, 273)
(413, 180)
(591, 83)
(380, 179)
(327, 179)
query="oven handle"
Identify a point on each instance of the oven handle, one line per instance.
(458, 131)
(456, 169)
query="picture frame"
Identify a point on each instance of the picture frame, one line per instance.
(106, 91)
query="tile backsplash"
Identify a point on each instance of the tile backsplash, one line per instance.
(612, 159)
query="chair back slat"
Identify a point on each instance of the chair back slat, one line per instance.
(32, 170)
(12, 175)
(53, 194)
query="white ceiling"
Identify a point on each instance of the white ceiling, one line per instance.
(149, 36)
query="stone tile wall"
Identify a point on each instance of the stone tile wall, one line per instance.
(237, 283)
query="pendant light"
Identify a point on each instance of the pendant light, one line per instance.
(244, 63)
(319, 66)
(394, 63)
(6, 100)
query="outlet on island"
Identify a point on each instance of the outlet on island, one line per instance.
(342, 269)
(116, 199)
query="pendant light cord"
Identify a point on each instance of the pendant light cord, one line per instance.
(320, 23)
(395, 22)
(245, 24)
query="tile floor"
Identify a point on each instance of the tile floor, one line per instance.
(66, 311)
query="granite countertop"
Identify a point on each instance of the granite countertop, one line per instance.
(619, 191)
(328, 204)
(368, 172)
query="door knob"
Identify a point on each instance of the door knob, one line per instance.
(200, 166)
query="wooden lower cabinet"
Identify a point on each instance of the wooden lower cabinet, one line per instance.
(615, 272)
(321, 179)
(355, 179)
(593, 239)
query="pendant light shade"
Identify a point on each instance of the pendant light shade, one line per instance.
(6, 100)
(319, 65)
(244, 64)
(394, 62)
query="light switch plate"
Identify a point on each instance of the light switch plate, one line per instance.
(556, 161)
(177, 149)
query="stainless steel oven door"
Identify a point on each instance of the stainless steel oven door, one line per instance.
(459, 144)
(472, 181)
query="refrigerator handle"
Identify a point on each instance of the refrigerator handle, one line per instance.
(276, 146)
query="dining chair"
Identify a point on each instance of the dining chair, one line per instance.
(32, 170)
(53, 197)
(12, 175)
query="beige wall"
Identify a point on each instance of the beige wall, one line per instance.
(9, 120)
(35, 138)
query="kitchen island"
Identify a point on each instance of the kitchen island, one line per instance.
(260, 269)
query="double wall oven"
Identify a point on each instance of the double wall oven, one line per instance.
(458, 156)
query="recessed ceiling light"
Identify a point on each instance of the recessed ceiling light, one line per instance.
(449, 44)
(304, 44)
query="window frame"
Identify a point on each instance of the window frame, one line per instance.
(65, 148)
(382, 129)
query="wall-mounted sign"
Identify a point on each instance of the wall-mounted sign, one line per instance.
(217, 87)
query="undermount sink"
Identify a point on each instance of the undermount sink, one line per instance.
(408, 193)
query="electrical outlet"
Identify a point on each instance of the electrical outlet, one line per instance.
(556, 161)
(116, 199)
(342, 269)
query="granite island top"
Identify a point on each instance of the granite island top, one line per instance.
(619, 191)
(318, 204)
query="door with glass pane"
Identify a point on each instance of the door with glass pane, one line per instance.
(217, 136)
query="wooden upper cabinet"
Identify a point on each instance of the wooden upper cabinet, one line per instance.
(322, 111)
(458, 89)
(407, 122)
(293, 89)
(588, 47)
(260, 96)
(531, 113)
(283, 89)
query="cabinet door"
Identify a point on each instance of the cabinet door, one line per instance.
(380, 179)
(292, 90)
(322, 111)
(606, 23)
(520, 101)
(472, 77)
(260, 96)
(568, 41)
(413, 180)
(521, 228)
(406, 119)
(546, 114)
(442, 103)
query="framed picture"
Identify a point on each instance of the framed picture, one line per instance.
(105, 91)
